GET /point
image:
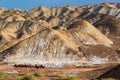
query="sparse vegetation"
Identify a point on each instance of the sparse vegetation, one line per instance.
(5, 63)
(73, 78)
(27, 77)
(62, 77)
(3, 76)
(38, 74)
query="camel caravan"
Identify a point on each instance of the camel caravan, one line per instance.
(28, 66)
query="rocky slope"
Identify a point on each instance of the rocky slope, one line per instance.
(61, 35)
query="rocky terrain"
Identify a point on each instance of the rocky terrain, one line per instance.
(61, 36)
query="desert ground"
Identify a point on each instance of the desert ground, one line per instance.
(85, 73)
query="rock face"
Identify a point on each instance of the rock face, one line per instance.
(88, 34)
(60, 36)
(106, 9)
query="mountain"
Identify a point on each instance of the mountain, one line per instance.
(60, 36)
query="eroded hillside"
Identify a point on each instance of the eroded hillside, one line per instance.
(59, 36)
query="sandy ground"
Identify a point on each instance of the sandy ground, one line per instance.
(9, 68)
(52, 73)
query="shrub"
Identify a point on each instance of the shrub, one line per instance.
(5, 63)
(38, 74)
(27, 77)
(63, 77)
(18, 78)
(73, 78)
(3, 76)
